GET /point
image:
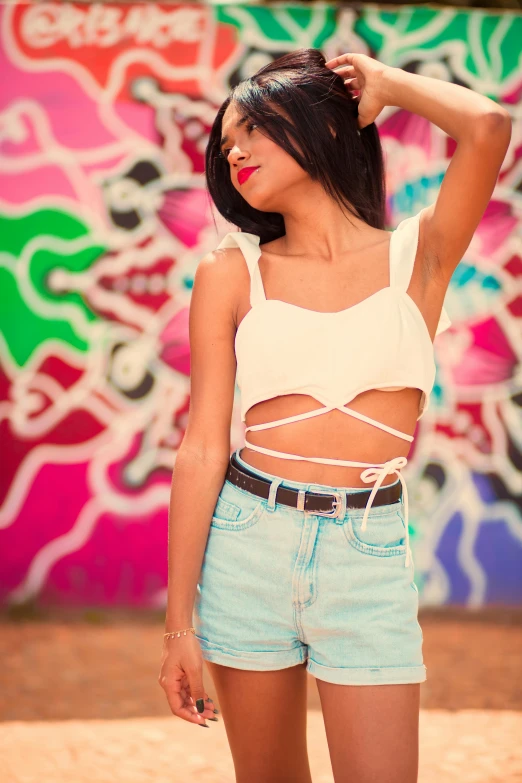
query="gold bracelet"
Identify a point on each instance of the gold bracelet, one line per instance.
(178, 633)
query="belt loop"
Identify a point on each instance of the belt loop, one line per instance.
(301, 500)
(274, 486)
(339, 520)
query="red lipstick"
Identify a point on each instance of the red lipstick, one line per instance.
(244, 174)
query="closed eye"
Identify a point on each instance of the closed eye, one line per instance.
(250, 126)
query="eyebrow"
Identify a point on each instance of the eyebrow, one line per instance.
(237, 125)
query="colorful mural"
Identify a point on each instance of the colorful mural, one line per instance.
(104, 118)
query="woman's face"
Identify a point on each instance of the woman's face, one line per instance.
(277, 175)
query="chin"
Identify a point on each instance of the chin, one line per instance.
(259, 204)
(262, 203)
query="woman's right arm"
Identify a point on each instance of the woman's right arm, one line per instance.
(199, 472)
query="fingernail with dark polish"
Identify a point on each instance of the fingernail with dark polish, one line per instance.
(216, 711)
(203, 725)
(209, 699)
(213, 719)
(200, 705)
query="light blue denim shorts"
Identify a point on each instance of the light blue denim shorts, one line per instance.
(279, 586)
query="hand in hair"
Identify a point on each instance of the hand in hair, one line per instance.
(364, 74)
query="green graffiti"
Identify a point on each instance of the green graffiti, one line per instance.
(45, 261)
(23, 329)
(469, 43)
(282, 28)
(17, 231)
(34, 246)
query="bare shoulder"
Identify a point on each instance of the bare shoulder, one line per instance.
(220, 263)
(225, 263)
(220, 276)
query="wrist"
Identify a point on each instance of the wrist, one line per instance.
(391, 85)
(167, 637)
(178, 622)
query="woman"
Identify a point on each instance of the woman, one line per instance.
(282, 555)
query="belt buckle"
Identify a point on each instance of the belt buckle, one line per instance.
(337, 504)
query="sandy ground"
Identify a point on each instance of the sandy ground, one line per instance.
(79, 701)
(469, 746)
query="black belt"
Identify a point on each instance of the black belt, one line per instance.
(316, 502)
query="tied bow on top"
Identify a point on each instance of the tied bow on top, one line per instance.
(377, 474)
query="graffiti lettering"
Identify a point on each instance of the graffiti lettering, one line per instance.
(48, 24)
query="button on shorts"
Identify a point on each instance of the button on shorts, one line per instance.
(279, 586)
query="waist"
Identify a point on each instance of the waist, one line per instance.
(305, 472)
(297, 467)
(283, 468)
(335, 433)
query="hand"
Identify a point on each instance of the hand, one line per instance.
(364, 74)
(181, 677)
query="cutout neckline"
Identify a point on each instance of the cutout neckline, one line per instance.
(391, 287)
(329, 312)
(307, 309)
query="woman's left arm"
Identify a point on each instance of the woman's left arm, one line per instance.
(482, 130)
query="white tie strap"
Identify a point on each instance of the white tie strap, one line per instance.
(377, 474)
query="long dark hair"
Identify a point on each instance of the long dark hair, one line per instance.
(322, 124)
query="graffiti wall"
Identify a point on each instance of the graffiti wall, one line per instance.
(104, 118)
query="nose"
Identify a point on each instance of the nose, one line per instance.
(236, 154)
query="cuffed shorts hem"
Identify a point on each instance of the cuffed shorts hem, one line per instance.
(389, 675)
(269, 660)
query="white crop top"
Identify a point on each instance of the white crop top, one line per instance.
(381, 343)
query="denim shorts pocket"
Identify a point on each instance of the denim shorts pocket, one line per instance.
(385, 534)
(236, 509)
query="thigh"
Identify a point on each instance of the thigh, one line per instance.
(372, 731)
(264, 713)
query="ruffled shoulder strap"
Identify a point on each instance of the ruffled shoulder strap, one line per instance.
(249, 246)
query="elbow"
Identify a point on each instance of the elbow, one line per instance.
(211, 455)
(494, 126)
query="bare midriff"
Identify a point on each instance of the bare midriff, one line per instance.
(333, 435)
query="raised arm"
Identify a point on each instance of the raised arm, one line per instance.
(481, 128)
